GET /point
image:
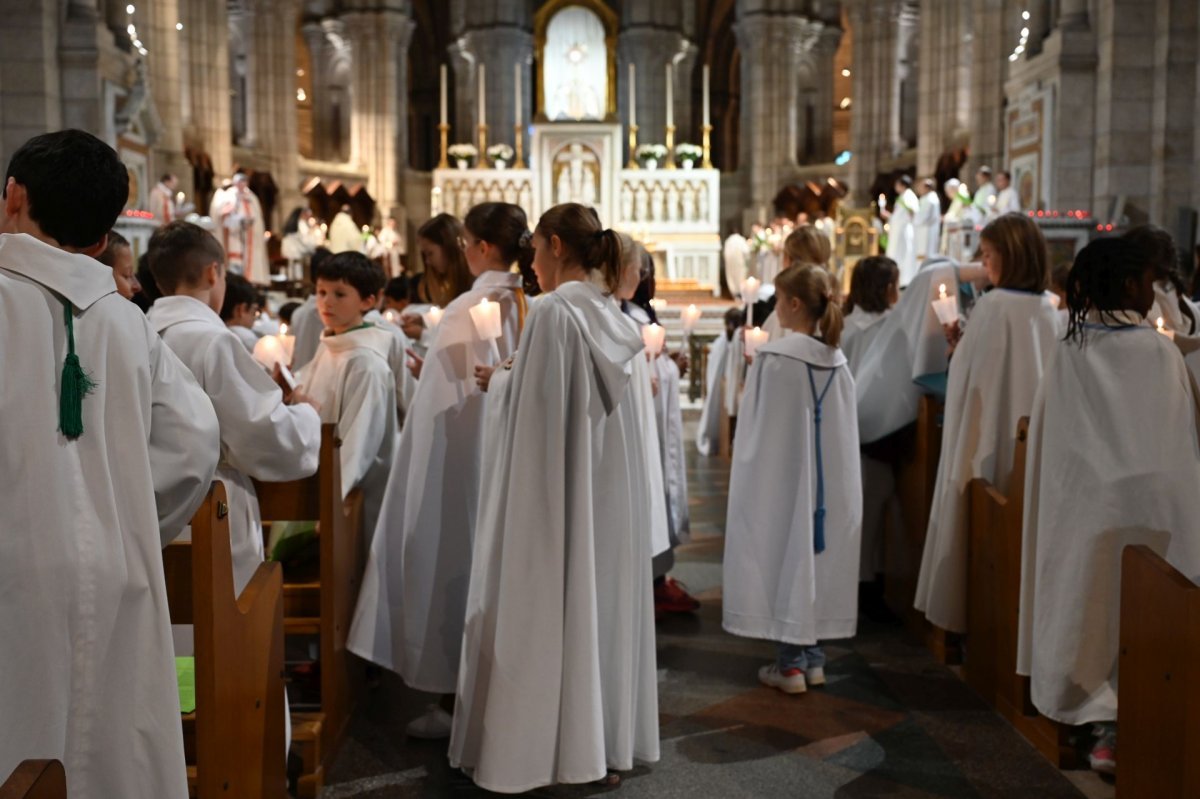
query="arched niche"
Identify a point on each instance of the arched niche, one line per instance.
(556, 65)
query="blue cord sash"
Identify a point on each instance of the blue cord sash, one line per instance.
(819, 513)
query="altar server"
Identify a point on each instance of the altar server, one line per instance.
(243, 230)
(262, 437)
(239, 309)
(1007, 199)
(118, 256)
(928, 222)
(412, 605)
(558, 681)
(795, 498)
(107, 447)
(983, 203)
(350, 378)
(994, 374)
(901, 237)
(709, 429)
(1114, 461)
(804, 245)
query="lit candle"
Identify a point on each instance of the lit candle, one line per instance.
(482, 98)
(750, 296)
(690, 316)
(654, 336)
(288, 342)
(670, 94)
(269, 351)
(882, 201)
(658, 305)
(632, 94)
(755, 338)
(945, 306)
(1161, 328)
(442, 71)
(391, 317)
(705, 122)
(179, 197)
(433, 316)
(486, 316)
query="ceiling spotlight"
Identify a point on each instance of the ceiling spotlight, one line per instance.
(1024, 15)
(131, 29)
(129, 9)
(845, 103)
(845, 73)
(178, 26)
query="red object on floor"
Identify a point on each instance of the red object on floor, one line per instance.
(671, 597)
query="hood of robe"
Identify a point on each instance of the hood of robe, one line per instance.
(79, 278)
(806, 349)
(168, 311)
(612, 343)
(371, 338)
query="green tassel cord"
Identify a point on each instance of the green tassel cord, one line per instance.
(75, 384)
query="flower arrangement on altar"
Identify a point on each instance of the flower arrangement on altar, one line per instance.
(649, 155)
(463, 154)
(760, 239)
(500, 154)
(688, 155)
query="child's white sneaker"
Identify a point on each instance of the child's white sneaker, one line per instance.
(790, 681)
(815, 675)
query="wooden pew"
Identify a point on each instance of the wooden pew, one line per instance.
(235, 738)
(1159, 689)
(36, 779)
(993, 605)
(323, 607)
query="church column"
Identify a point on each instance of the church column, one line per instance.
(987, 85)
(30, 99)
(205, 63)
(163, 72)
(498, 49)
(80, 66)
(1073, 13)
(1174, 114)
(272, 104)
(867, 98)
(822, 58)
(314, 38)
(463, 120)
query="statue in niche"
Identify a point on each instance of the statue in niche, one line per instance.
(577, 173)
(575, 66)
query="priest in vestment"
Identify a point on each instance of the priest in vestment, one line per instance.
(162, 199)
(243, 231)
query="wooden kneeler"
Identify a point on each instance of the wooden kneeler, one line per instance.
(993, 606)
(323, 607)
(1158, 694)
(36, 779)
(235, 738)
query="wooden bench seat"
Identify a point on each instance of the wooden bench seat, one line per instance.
(36, 779)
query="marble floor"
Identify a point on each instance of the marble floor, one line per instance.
(891, 722)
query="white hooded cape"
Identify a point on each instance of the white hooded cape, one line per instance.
(669, 422)
(736, 252)
(709, 429)
(776, 586)
(411, 607)
(993, 378)
(928, 225)
(1113, 461)
(261, 437)
(558, 679)
(86, 659)
(902, 235)
(307, 329)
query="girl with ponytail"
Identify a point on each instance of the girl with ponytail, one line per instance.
(412, 604)
(558, 681)
(795, 493)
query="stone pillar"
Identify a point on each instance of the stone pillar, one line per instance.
(205, 65)
(79, 48)
(1175, 110)
(773, 47)
(987, 84)
(463, 119)
(821, 58)
(314, 38)
(163, 73)
(31, 94)
(867, 110)
(905, 93)
(1073, 14)
(650, 49)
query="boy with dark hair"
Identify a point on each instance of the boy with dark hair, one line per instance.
(306, 322)
(105, 453)
(240, 308)
(262, 436)
(350, 377)
(397, 294)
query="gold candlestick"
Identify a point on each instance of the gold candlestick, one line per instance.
(483, 159)
(519, 163)
(670, 147)
(707, 143)
(633, 164)
(444, 131)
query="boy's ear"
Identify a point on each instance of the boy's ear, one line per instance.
(369, 302)
(212, 274)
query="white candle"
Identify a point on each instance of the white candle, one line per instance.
(391, 317)
(670, 94)
(755, 338)
(444, 116)
(1161, 328)
(433, 316)
(750, 296)
(632, 95)
(658, 305)
(269, 351)
(288, 342)
(486, 316)
(517, 84)
(654, 336)
(705, 123)
(482, 97)
(690, 316)
(946, 307)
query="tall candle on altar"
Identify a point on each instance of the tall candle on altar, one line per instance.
(654, 336)
(517, 84)
(705, 122)
(755, 337)
(670, 94)
(482, 97)
(486, 316)
(632, 94)
(442, 72)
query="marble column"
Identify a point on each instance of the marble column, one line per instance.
(272, 103)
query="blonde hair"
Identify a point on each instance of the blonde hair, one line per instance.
(1024, 262)
(816, 290)
(807, 245)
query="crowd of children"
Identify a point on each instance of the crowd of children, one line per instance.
(521, 464)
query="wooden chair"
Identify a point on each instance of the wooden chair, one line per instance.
(323, 607)
(235, 737)
(1159, 688)
(993, 606)
(36, 779)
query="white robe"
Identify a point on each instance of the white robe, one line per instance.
(1166, 305)
(1122, 473)
(307, 328)
(902, 244)
(161, 202)
(243, 234)
(993, 378)
(736, 252)
(344, 235)
(410, 611)
(906, 344)
(709, 429)
(928, 225)
(1007, 202)
(558, 681)
(669, 422)
(244, 335)
(860, 328)
(352, 382)
(87, 661)
(261, 437)
(983, 204)
(406, 384)
(776, 586)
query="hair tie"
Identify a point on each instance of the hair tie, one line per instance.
(526, 240)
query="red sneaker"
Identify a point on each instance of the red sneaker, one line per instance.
(671, 597)
(1103, 757)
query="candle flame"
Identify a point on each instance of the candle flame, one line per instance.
(283, 329)
(942, 291)
(1160, 324)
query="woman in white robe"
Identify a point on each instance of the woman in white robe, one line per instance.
(1114, 461)
(994, 374)
(902, 236)
(410, 611)
(795, 503)
(557, 682)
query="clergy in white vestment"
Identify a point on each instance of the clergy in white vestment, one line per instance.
(243, 231)
(557, 682)
(96, 481)
(994, 374)
(412, 605)
(957, 215)
(928, 222)
(983, 202)
(161, 199)
(262, 437)
(736, 252)
(901, 237)
(1114, 461)
(795, 501)
(1007, 199)
(392, 242)
(351, 379)
(344, 235)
